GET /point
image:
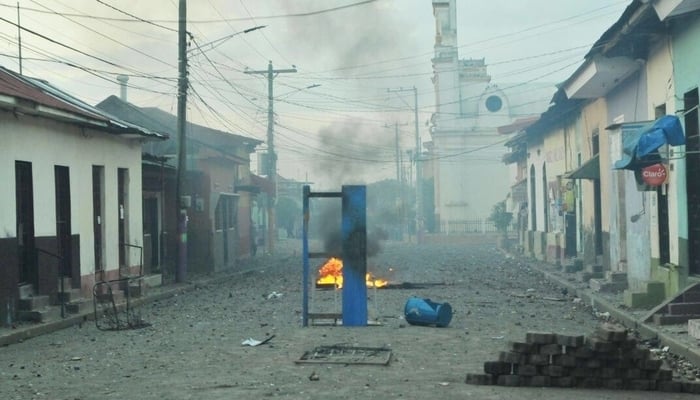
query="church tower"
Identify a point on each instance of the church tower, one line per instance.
(466, 165)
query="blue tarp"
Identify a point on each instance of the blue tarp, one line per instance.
(639, 147)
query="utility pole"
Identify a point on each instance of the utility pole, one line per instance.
(19, 39)
(417, 155)
(399, 180)
(271, 155)
(181, 209)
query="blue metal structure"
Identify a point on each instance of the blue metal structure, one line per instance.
(354, 249)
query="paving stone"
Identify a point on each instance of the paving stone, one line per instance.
(641, 384)
(611, 332)
(669, 386)
(508, 380)
(614, 383)
(497, 367)
(638, 354)
(632, 373)
(599, 344)
(591, 363)
(589, 383)
(651, 364)
(539, 359)
(540, 337)
(570, 340)
(551, 349)
(565, 360)
(521, 347)
(691, 387)
(512, 357)
(528, 370)
(540, 381)
(610, 373)
(663, 374)
(554, 370)
(480, 379)
(564, 381)
(584, 372)
(583, 352)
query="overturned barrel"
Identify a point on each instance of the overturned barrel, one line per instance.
(420, 311)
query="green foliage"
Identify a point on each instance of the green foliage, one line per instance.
(500, 217)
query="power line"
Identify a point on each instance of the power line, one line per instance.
(136, 17)
(207, 21)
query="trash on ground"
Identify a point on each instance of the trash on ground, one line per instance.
(254, 342)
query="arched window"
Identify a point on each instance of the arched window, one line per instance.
(545, 198)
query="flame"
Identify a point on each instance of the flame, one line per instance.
(331, 273)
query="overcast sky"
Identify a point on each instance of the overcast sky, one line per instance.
(338, 132)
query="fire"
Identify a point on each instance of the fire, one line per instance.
(331, 273)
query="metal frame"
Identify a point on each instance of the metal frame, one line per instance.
(354, 245)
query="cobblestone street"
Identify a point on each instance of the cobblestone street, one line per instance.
(192, 348)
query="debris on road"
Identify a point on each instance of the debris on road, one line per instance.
(254, 342)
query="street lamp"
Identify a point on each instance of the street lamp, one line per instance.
(315, 85)
(215, 43)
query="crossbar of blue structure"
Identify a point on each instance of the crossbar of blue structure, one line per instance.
(354, 242)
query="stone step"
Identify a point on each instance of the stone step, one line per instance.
(684, 308)
(79, 306)
(40, 315)
(606, 286)
(67, 283)
(136, 289)
(666, 319)
(152, 280)
(616, 277)
(118, 296)
(594, 269)
(69, 295)
(26, 290)
(33, 303)
(653, 295)
(586, 276)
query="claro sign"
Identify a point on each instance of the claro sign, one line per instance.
(654, 175)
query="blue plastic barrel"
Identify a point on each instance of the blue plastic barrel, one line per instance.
(420, 311)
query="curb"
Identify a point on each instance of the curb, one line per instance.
(630, 322)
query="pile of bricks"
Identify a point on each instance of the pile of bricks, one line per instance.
(608, 359)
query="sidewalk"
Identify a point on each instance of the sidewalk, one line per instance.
(674, 336)
(27, 330)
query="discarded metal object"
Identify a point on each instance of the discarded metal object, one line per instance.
(342, 354)
(420, 311)
(112, 317)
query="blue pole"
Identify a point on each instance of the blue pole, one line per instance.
(354, 239)
(305, 255)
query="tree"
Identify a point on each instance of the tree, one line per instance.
(501, 219)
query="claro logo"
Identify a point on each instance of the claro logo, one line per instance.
(654, 175)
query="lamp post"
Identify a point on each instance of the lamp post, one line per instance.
(217, 42)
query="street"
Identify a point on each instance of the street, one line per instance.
(192, 348)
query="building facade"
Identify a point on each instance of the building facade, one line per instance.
(465, 154)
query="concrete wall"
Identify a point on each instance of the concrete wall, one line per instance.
(46, 144)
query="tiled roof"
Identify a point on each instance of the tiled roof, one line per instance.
(38, 97)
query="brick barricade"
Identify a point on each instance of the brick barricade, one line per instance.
(608, 358)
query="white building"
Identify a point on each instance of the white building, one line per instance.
(467, 149)
(73, 190)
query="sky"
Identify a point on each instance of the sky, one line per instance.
(356, 63)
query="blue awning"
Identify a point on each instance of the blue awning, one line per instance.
(640, 147)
